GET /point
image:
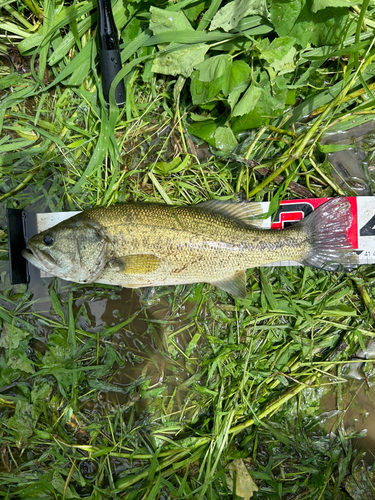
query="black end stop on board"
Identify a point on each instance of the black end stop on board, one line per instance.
(19, 272)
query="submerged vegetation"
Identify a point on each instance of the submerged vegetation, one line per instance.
(183, 392)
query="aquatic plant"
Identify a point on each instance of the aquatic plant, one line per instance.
(182, 391)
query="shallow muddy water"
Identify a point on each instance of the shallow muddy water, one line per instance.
(353, 169)
(150, 349)
(145, 362)
(351, 405)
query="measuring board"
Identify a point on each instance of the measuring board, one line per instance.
(361, 233)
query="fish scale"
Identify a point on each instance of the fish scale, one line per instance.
(193, 244)
(138, 244)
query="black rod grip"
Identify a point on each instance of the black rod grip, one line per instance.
(109, 52)
(110, 62)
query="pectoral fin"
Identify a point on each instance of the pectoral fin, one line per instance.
(136, 264)
(235, 285)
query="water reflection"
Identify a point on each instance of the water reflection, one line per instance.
(128, 331)
(352, 407)
(353, 168)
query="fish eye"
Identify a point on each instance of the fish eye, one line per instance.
(48, 240)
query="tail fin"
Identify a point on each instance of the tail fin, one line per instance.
(327, 229)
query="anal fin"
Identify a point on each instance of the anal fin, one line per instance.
(235, 285)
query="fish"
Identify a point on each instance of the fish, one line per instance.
(145, 244)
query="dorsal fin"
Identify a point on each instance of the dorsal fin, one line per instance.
(243, 211)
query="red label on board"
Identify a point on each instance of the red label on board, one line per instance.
(291, 211)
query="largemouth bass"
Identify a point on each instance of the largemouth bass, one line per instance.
(137, 244)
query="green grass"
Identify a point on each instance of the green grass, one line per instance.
(178, 386)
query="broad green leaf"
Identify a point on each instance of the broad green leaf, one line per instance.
(303, 28)
(248, 101)
(43, 434)
(221, 138)
(39, 397)
(284, 15)
(239, 72)
(270, 103)
(238, 81)
(297, 20)
(214, 67)
(224, 139)
(322, 4)
(196, 8)
(175, 166)
(21, 363)
(204, 130)
(202, 92)
(131, 30)
(236, 92)
(22, 422)
(291, 97)
(231, 14)
(330, 26)
(165, 20)
(12, 336)
(327, 27)
(179, 61)
(279, 53)
(59, 484)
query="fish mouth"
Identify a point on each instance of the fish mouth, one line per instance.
(39, 258)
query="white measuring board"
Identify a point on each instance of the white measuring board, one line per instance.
(361, 233)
